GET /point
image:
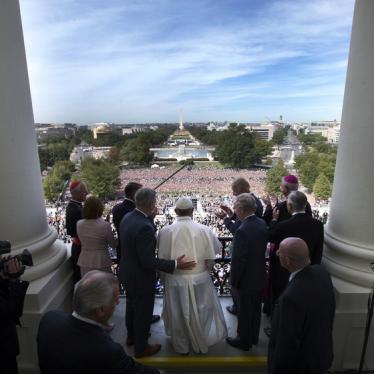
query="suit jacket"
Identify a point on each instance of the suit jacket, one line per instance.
(69, 345)
(12, 296)
(73, 215)
(120, 210)
(283, 212)
(301, 225)
(248, 255)
(138, 262)
(301, 334)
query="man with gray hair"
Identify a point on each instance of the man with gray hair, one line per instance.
(79, 343)
(248, 270)
(300, 225)
(301, 334)
(138, 270)
(232, 222)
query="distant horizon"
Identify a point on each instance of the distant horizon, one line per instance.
(177, 123)
(139, 62)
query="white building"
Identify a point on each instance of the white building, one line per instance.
(81, 153)
(264, 131)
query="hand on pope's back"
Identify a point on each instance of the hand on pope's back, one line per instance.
(185, 264)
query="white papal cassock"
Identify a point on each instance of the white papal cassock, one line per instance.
(192, 313)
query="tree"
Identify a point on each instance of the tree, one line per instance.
(54, 183)
(237, 147)
(274, 178)
(101, 176)
(279, 136)
(322, 187)
(136, 150)
(53, 150)
(263, 148)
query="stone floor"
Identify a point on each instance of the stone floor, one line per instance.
(221, 353)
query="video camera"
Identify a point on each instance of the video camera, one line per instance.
(25, 258)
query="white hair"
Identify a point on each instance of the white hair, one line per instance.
(144, 197)
(93, 291)
(298, 200)
(246, 202)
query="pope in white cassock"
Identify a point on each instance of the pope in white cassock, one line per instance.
(192, 313)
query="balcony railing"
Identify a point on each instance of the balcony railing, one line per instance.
(220, 272)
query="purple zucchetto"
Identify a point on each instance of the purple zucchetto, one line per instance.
(291, 182)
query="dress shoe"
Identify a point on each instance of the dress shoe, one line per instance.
(155, 318)
(231, 309)
(236, 343)
(150, 350)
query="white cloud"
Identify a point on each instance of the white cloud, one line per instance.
(141, 61)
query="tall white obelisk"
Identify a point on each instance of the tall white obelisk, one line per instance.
(181, 127)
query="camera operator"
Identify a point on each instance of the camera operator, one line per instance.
(12, 295)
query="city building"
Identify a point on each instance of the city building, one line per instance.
(82, 152)
(48, 130)
(264, 131)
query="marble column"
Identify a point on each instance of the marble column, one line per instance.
(349, 235)
(23, 217)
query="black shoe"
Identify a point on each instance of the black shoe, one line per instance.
(231, 309)
(267, 331)
(236, 343)
(155, 318)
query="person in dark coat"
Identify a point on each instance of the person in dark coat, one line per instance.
(12, 296)
(301, 335)
(138, 270)
(232, 223)
(248, 271)
(119, 211)
(299, 225)
(79, 343)
(124, 207)
(78, 192)
(288, 184)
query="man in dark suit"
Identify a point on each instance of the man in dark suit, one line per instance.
(119, 211)
(248, 271)
(138, 270)
(300, 225)
(232, 223)
(301, 336)
(126, 206)
(288, 184)
(78, 192)
(80, 343)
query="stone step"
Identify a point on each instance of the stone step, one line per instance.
(208, 364)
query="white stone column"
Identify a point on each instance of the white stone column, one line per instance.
(23, 217)
(349, 235)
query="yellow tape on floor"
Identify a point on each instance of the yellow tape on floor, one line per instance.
(211, 361)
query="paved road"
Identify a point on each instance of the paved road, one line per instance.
(290, 144)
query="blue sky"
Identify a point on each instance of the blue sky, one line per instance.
(127, 61)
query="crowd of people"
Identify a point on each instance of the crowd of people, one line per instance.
(195, 179)
(183, 232)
